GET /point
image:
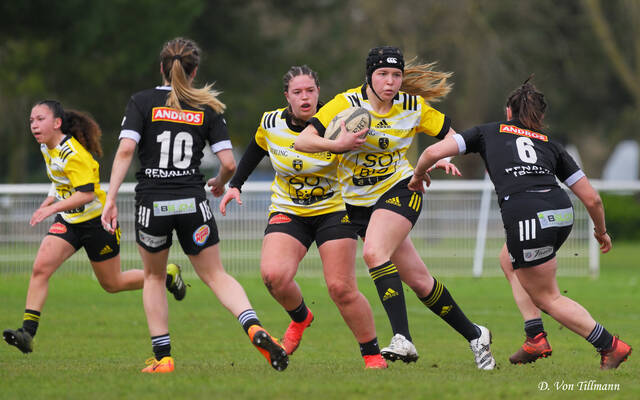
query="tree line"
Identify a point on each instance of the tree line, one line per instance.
(93, 55)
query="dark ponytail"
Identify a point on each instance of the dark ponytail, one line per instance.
(528, 105)
(78, 124)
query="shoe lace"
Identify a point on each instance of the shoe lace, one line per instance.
(151, 361)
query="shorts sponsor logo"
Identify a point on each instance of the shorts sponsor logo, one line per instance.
(174, 207)
(394, 201)
(345, 220)
(536, 254)
(514, 130)
(201, 235)
(279, 219)
(179, 116)
(58, 228)
(150, 240)
(556, 218)
(106, 250)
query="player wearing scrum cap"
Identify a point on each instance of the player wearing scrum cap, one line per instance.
(306, 206)
(374, 177)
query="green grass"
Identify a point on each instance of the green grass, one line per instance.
(92, 344)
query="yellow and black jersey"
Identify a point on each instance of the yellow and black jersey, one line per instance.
(305, 184)
(71, 168)
(367, 173)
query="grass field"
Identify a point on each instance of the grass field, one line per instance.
(92, 344)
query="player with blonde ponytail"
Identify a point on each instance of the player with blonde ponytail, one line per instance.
(171, 124)
(374, 173)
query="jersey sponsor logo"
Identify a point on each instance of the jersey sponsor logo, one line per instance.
(279, 219)
(151, 240)
(383, 143)
(556, 218)
(389, 294)
(297, 165)
(536, 254)
(58, 228)
(201, 235)
(174, 207)
(383, 124)
(514, 130)
(180, 116)
(106, 250)
(168, 173)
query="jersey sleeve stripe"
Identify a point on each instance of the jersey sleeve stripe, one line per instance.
(222, 145)
(89, 187)
(129, 134)
(318, 125)
(574, 178)
(462, 145)
(445, 128)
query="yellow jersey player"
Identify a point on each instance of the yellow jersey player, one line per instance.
(306, 206)
(374, 173)
(67, 139)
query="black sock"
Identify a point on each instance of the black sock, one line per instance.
(161, 346)
(441, 303)
(600, 338)
(30, 321)
(391, 294)
(533, 327)
(248, 318)
(370, 348)
(300, 313)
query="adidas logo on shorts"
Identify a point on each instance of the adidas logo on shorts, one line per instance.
(395, 201)
(106, 250)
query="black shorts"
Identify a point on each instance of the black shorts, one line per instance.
(191, 217)
(398, 199)
(320, 228)
(536, 225)
(99, 244)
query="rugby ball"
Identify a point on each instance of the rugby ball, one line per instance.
(355, 119)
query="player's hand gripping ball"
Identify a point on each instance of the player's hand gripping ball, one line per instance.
(355, 119)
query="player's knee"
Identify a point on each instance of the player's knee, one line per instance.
(41, 270)
(273, 280)
(342, 292)
(110, 286)
(373, 256)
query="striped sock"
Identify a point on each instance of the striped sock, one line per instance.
(533, 327)
(440, 302)
(161, 346)
(247, 318)
(390, 291)
(600, 338)
(30, 321)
